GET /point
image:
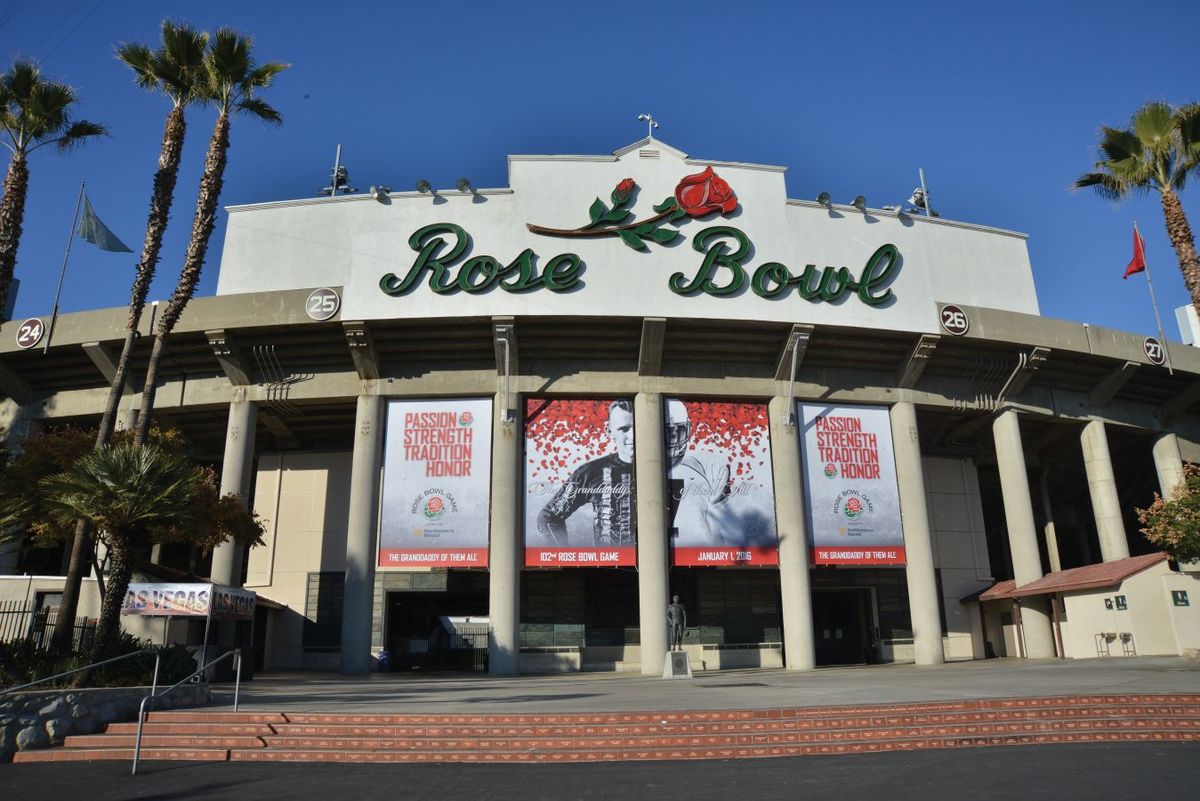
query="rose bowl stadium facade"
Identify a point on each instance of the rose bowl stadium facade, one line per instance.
(515, 423)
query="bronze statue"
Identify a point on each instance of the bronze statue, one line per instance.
(677, 620)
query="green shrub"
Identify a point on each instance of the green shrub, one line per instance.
(21, 661)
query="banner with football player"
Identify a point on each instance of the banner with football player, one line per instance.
(579, 490)
(720, 488)
(850, 485)
(437, 462)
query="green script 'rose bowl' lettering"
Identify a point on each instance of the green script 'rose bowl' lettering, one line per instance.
(441, 246)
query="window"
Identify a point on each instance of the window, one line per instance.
(323, 612)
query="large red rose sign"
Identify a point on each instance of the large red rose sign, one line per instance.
(704, 193)
(696, 196)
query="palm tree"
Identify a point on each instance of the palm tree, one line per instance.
(233, 79)
(1158, 151)
(176, 69)
(132, 494)
(34, 113)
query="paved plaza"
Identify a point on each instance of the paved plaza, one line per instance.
(730, 689)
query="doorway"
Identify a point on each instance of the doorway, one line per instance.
(842, 626)
(437, 630)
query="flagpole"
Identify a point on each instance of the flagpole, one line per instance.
(63, 273)
(1153, 302)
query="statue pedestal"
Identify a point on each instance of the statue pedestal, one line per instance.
(677, 666)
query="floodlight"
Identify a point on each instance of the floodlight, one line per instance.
(860, 203)
(823, 198)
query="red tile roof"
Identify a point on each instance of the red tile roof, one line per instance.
(1105, 574)
(999, 590)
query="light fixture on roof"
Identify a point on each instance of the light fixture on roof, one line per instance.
(339, 178)
(919, 199)
(860, 203)
(651, 124)
(380, 192)
(465, 187)
(823, 198)
(424, 187)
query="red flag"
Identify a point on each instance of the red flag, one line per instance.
(1138, 264)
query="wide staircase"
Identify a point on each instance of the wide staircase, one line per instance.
(593, 737)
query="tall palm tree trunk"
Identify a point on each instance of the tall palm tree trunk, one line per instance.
(142, 429)
(12, 214)
(120, 567)
(120, 571)
(169, 156)
(68, 607)
(202, 227)
(156, 225)
(1180, 234)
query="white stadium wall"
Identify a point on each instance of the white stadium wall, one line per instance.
(353, 241)
(304, 500)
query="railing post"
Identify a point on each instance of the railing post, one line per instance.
(154, 681)
(137, 743)
(237, 683)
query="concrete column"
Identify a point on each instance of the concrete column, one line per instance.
(1168, 463)
(1050, 531)
(507, 551)
(362, 524)
(918, 544)
(235, 478)
(651, 493)
(1022, 533)
(17, 423)
(1102, 486)
(795, 585)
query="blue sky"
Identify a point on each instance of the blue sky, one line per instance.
(999, 103)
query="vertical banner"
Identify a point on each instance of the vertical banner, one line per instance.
(579, 491)
(850, 485)
(436, 484)
(719, 484)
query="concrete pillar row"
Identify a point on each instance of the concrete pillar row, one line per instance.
(235, 479)
(795, 584)
(1022, 532)
(653, 565)
(1050, 530)
(362, 524)
(17, 422)
(1102, 486)
(506, 555)
(918, 544)
(1168, 463)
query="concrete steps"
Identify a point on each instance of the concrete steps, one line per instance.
(591, 737)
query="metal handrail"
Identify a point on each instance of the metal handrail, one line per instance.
(236, 653)
(153, 686)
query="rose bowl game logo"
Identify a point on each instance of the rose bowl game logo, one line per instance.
(853, 508)
(831, 470)
(434, 507)
(695, 196)
(465, 419)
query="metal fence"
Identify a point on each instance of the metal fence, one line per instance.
(20, 621)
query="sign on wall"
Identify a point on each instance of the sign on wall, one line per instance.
(579, 489)
(719, 484)
(436, 484)
(188, 600)
(853, 502)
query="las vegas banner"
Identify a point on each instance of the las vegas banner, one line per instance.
(579, 488)
(850, 485)
(719, 484)
(436, 484)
